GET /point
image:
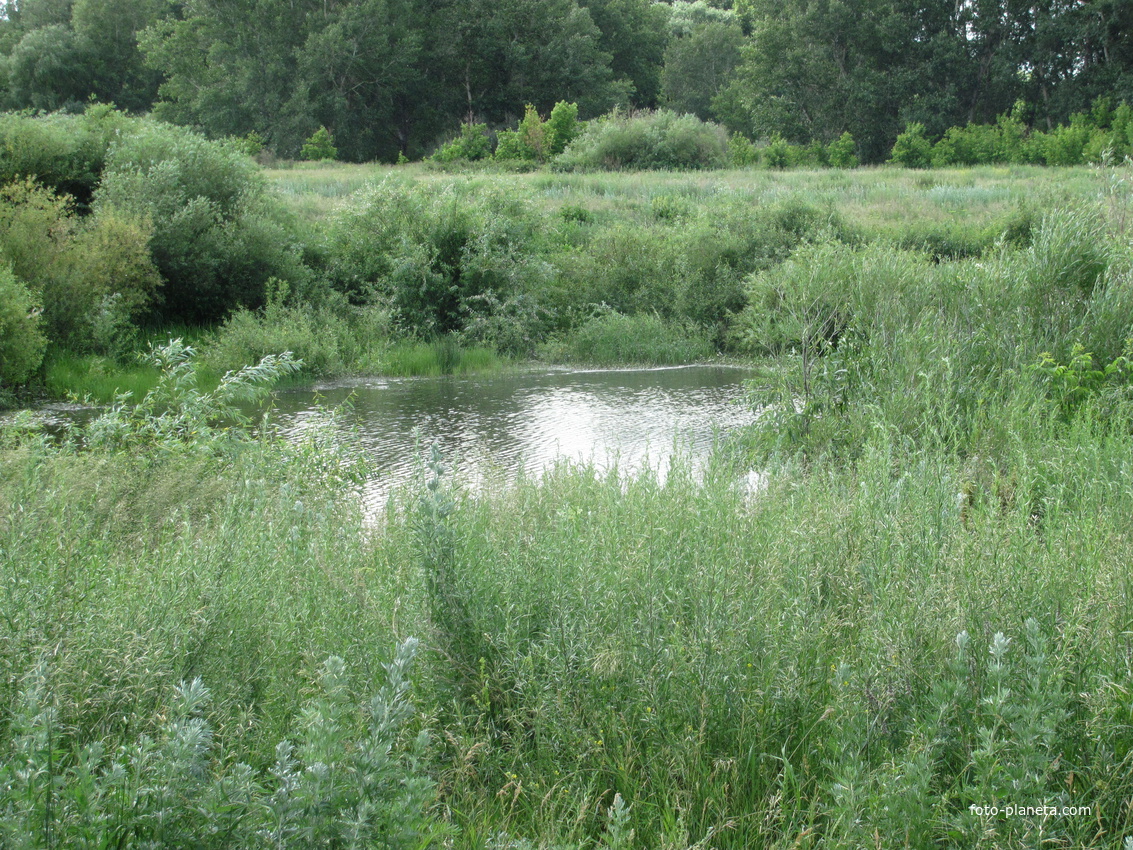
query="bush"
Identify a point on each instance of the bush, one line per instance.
(912, 148)
(427, 255)
(93, 276)
(513, 327)
(976, 144)
(610, 339)
(471, 145)
(562, 127)
(320, 146)
(743, 153)
(840, 152)
(327, 340)
(1066, 144)
(341, 785)
(22, 342)
(509, 146)
(217, 234)
(779, 153)
(63, 152)
(647, 140)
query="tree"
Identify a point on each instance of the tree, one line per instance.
(320, 146)
(357, 73)
(47, 69)
(108, 30)
(634, 33)
(698, 65)
(497, 54)
(231, 67)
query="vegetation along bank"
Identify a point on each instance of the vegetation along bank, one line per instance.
(925, 614)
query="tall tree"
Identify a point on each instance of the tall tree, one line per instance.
(496, 55)
(47, 69)
(698, 65)
(634, 33)
(355, 73)
(108, 31)
(231, 66)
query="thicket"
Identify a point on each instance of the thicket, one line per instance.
(501, 270)
(183, 230)
(867, 348)
(648, 140)
(218, 235)
(63, 152)
(91, 276)
(1102, 135)
(111, 223)
(644, 141)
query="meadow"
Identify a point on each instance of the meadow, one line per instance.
(924, 615)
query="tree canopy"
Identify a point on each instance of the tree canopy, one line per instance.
(398, 77)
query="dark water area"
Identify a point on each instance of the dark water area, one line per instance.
(502, 425)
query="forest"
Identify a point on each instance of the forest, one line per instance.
(398, 77)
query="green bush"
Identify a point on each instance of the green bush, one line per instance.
(22, 342)
(647, 140)
(1066, 144)
(94, 276)
(562, 127)
(743, 153)
(912, 148)
(612, 339)
(976, 144)
(319, 147)
(427, 254)
(513, 327)
(471, 145)
(510, 147)
(535, 140)
(218, 236)
(840, 152)
(779, 153)
(327, 340)
(66, 153)
(341, 784)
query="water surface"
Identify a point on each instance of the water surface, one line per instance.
(502, 424)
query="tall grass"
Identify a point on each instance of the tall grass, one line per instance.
(753, 669)
(922, 617)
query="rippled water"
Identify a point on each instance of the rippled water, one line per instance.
(530, 420)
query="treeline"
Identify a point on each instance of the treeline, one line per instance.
(398, 77)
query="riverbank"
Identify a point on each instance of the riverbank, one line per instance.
(923, 616)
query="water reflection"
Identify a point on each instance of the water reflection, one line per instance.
(527, 421)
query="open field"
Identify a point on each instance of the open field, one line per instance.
(872, 195)
(925, 614)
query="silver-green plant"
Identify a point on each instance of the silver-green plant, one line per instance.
(177, 412)
(336, 788)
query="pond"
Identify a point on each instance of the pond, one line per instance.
(527, 421)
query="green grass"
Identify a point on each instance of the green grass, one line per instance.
(925, 611)
(648, 340)
(99, 378)
(724, 664)
(418, 359)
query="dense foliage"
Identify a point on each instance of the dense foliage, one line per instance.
(390, 77)
(178, 229)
